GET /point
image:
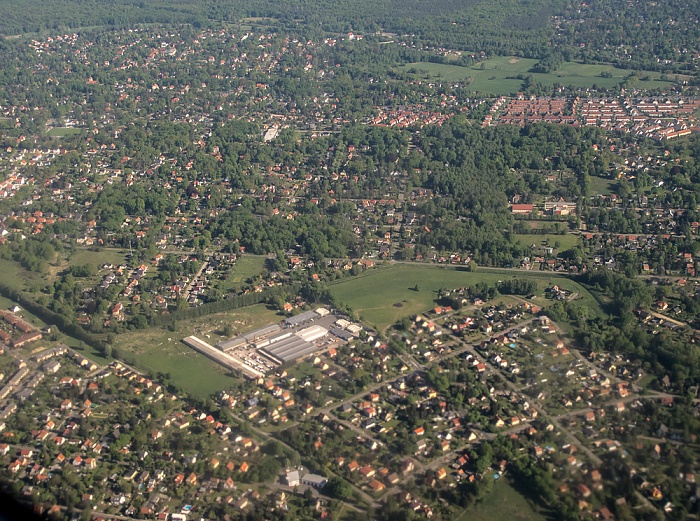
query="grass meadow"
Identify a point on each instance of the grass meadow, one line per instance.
(504, 502)
(246, 267)
(565, 241)
(497, 76)
(64, 131)
(385, 295)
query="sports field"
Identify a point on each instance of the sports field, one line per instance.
(497, 76)
(385, 295)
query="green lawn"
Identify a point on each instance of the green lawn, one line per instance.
(7, 366)
(12, 274)
(387, 294)
(504, 502)
(565, 241)
(98, 258)
(449, 73)
(602, 186)
(86, 350)
(497, 76)
(159, 350)
(64, 131)
(246, 267)
(539, 225)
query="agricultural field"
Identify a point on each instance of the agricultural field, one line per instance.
(504, 502)
(384, 296)
(159, 350)
(497, 76)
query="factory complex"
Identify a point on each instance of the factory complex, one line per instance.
(258, 352)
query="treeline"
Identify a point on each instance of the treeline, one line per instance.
(319, 237)
(516, 287)
(32, 254)
(53, 319)
(227, 304)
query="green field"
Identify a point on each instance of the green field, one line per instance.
(497, 76)
(86, 350)
(13, 275)
(158, 350)
(246, 267)
(385, 295)
(565, 241)
(504, 502)
(64, 131)
(98, 258)
(602, 186)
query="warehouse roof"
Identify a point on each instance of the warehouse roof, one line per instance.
(301, 318)
(248, 338)
(297, 345)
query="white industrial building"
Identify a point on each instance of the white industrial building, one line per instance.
(289, 347)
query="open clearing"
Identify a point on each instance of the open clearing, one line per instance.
(114, 256)
(565, 241)
(385, 295)
(159, 350)
(497, 76)
(602, 186)
(504, 502)
(64, 131)
(246, 267)
(13, 275)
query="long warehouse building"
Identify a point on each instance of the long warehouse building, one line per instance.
(248, 338)
(220, 357)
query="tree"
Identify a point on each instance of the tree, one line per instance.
(485, 458)
(338, 488)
